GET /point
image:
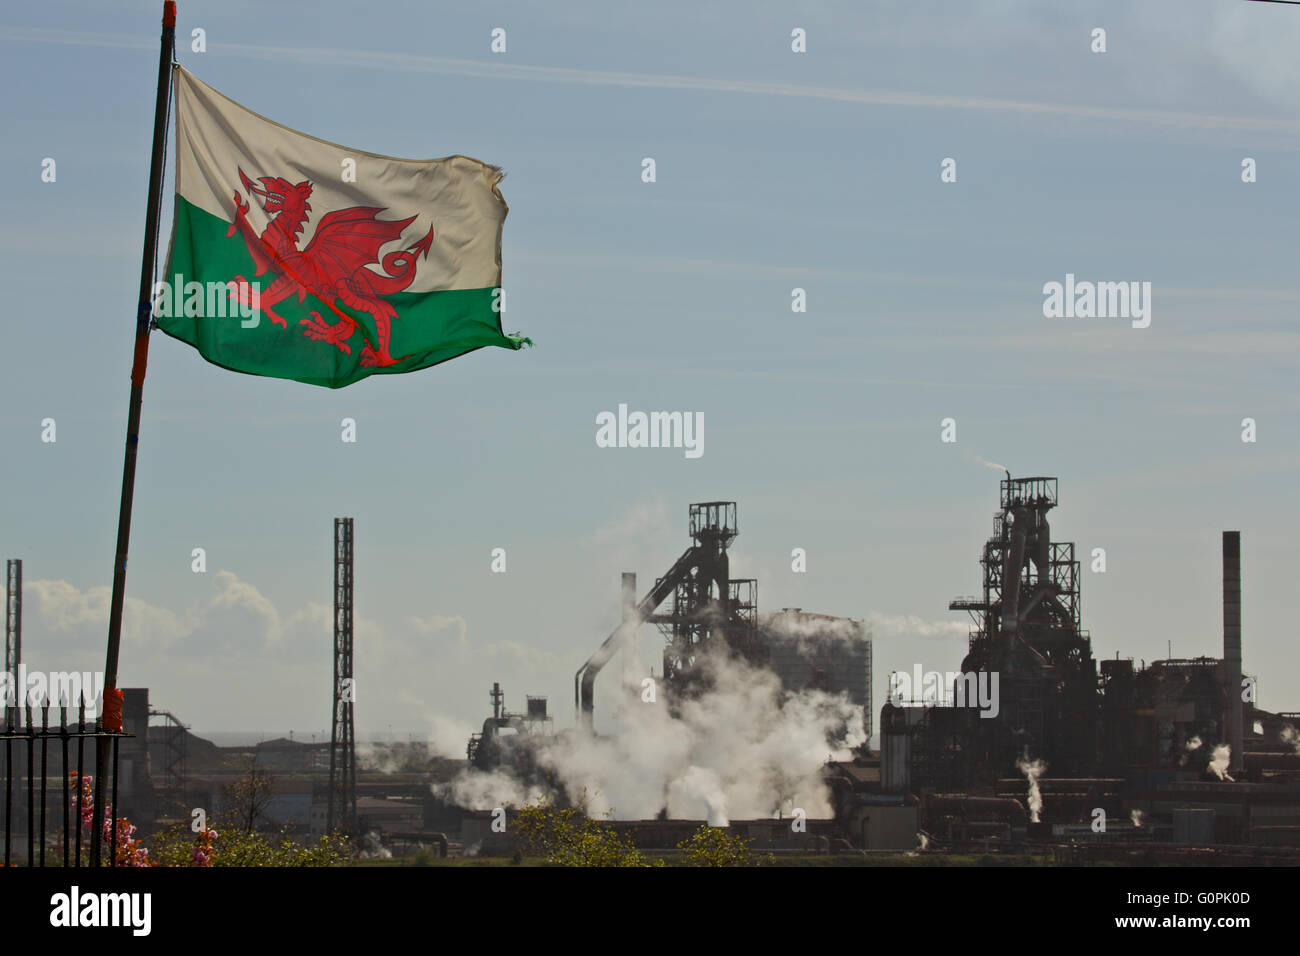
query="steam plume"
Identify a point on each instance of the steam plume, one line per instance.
(744, 749)
(1032, 769)
(1291, 736)
(1219, 762)
(994, 465)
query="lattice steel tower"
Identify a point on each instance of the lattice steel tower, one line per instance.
(342, 809)
(14, 624)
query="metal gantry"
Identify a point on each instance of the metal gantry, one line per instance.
(706, 604)
(171, 793)
(1027, 631)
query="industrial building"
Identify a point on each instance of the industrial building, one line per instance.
(1090, 760)
(506, 737)
(1074, 753)
(1174, 751)
(821, 652)
(699, 608)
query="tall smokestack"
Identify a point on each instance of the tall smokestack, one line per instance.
(1232, 641)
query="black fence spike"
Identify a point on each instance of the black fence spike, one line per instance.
(28, 724)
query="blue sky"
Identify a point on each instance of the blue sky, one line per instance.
(775, 170)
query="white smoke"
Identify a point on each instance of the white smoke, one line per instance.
(922, 841)
(745, 749)
(1291, 737)
(447, 736)
(701, 786)
(372, 847)
(905, 627)
(1219, 761)
(1032, 769)
(1138, 817)
(812, 626)
(478, 790)
(993, 464)
(381, 755)
(811, 633)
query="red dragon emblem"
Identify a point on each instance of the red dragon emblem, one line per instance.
(334, 266)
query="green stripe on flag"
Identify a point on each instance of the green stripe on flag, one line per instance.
(430, 327)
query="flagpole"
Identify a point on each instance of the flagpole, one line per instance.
(111, 715)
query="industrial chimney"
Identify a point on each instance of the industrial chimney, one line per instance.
(1232, 643)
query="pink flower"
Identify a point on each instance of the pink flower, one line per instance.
(127, 852)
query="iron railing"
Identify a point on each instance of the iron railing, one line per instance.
(53, 837)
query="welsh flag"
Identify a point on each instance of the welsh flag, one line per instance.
(296, 258)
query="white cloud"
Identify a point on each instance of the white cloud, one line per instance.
(234, 661)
